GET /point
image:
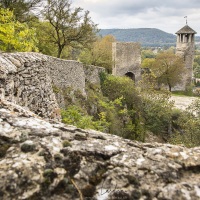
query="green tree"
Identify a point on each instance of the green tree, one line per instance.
(15, 36)
(115, 87)
(70, 26)
(76, 116)
(148, 62)
(187, 124)
(156, 111)
(22, 9)
(44, 45)
(168, 69)
(197, 59)
(130, 116)
(148, 53)
(196, 66)
(100, 53)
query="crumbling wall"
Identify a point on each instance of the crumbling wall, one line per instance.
(67, 76)
(29, 79)
(127, 59)
(92, 73)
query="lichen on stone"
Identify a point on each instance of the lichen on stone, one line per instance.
(39, 160)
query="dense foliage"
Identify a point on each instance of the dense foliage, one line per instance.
(23, 10)
(166, 67)
(187, 124)
(60, 29)
(118, 107)
(99, 54)
(15, 36)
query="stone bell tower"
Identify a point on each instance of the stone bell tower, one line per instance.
(185, 47)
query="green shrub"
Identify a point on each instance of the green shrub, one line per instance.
(186, 127)
(55, 89)
(121, 108)
(156, 111)
(75, 116)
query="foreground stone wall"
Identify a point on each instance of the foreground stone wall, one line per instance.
(51, 161)
(24, 79)
(30, 80)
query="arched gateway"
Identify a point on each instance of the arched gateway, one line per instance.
(130, 75)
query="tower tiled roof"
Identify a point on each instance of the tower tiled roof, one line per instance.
(186, 29)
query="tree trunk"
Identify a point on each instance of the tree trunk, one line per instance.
(170, 88)
(59, 52)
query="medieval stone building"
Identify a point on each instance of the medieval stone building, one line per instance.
(127, 60)
(127, 57)
(185, 47)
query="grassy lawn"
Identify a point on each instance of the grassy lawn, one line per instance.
(178, 93)
(183, 93)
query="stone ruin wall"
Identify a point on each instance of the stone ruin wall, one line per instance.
(29, 79)
(92, 73)
(65, 74)
(127, 58)
(24, 80)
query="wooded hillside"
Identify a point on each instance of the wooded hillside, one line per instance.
(146, 36)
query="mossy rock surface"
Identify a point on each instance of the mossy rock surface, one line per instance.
(3, 149)
(28, 146)
(66, 143)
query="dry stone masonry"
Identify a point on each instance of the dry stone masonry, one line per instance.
(51, 161)
(30, 80)
(25, 80)
(92, 73)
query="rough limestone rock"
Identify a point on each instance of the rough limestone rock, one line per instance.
(25, 79)
(51, 161)
(40, 82)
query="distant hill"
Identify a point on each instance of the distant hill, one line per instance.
(150, 37)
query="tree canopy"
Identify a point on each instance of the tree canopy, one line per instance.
(100, 53)
(168, 69)
(22, 9)
(15, 36)
(196, 66)
(70, 26)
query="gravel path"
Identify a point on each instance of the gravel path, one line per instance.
(182, 102)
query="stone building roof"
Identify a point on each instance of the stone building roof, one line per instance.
(186, 29)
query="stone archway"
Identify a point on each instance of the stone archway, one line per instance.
(130, 75)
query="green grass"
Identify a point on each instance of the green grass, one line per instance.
(183, 93)
(179, 93)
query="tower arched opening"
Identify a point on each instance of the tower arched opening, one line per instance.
(130, 75)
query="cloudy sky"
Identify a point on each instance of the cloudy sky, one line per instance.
(167, 15)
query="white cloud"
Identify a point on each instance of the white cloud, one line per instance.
(165, 15)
